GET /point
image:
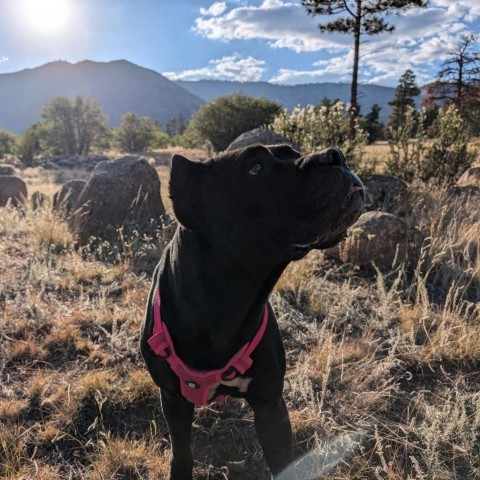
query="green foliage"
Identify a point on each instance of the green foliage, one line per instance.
(31, 143)
(448, 156)
(404, 98)
(8, 142)
(442, 160)
(223, 119)
(316, 128)
(176, 126)
(137, 134)
(407, 146)
(372, 125)
(73, 127)
(160, 139)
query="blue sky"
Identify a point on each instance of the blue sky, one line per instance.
(243, 40)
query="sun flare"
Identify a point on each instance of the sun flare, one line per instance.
(47, 16)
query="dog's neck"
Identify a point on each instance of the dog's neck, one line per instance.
(213, 293)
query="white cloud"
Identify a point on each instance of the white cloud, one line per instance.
(3, 59)
(337, 69)
(233, 67)
(214, 10)
(283, 25)
(471, 7)
(422, 38)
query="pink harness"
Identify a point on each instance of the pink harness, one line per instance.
(196, 385)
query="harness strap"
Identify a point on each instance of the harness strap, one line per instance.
(195, 384)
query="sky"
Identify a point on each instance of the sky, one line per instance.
(241, 40)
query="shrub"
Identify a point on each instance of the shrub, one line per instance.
(8, 142)
(407, 146)
(315, 128)
(442, 160)
(448, 156)
(223, 119)
(135, 134)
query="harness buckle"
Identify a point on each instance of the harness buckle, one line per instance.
(229, 374)
(165, 354)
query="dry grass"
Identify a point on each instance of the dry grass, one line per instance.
(388, 361)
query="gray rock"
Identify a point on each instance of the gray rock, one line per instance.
(70, 162)
(379, 237)
(12, 189)
(65, 199)
(38, 200)
(386, 193)
(259, 136)
(7, 170)
(122, 193)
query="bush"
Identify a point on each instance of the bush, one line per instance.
(448, 157)
(31, 143)
(137, 134)
(223, 119)
(316, 128)
(8, 142)
(407, 146)
(443, 160)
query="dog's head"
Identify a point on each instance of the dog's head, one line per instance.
(269, 199)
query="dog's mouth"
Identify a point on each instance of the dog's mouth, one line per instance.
(322, 244)
(352, 190)
(350, 210)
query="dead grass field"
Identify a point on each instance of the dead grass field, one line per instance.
(389, 362)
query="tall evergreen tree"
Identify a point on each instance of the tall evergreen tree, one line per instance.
(405, 93)
(358, 17)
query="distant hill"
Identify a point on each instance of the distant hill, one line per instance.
(292, 95)
(117, 86)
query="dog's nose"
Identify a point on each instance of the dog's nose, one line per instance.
(331, 156)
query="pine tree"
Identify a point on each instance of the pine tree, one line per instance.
(404, 97)
(358, 17)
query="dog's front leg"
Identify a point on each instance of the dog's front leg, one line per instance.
(274, 433)
(179, 416)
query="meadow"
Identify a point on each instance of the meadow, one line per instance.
(383, 366)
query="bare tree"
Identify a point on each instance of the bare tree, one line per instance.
(458, 81)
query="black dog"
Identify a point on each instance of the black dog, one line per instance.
(243, 216)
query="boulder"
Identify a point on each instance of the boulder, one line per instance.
(259, 136)
(38, 200)
(121, 193)
(7, 170)
(378, 237)
(12, 189)
(69, 162)
(64, 200)
(470, 178)
(386, 193)
(11, 160)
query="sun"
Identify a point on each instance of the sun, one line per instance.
(49, 17)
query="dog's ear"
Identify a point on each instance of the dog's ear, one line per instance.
(185, 179)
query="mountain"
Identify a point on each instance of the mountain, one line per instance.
(291, 96)
(118, 87)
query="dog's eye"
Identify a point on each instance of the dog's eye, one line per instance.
(255, 169)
